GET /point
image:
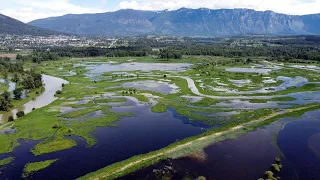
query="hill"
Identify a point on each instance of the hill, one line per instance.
(12, 26)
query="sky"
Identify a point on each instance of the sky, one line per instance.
(28, 10)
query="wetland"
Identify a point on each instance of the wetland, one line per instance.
(133, 119)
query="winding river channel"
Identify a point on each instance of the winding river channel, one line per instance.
(51, 84)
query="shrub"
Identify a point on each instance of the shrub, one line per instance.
(69, 130)
(59, 92)
(10, 119)
(55, 126)
(33, 109)
(62, 85)
(20, 114)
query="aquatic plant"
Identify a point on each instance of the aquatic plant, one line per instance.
(276, 167)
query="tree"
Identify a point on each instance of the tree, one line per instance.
(10, 119)
(17, 93)
(15, 78)
(5, 101)
(20, 114)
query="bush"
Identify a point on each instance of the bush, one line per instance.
(59, 92)
(277, 159)
(55, 126)
(62, 85)
(69, 130)
(20, 114)
(10, 119)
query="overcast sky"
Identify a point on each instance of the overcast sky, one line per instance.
(27, 10)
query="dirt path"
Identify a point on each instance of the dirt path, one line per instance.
(102, 175)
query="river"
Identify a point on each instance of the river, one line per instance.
(51, 84)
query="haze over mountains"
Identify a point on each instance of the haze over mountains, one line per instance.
(12, 26)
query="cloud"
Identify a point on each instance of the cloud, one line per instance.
(297, 7)
(27, 10)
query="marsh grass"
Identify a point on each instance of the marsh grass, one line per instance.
(287, 98)
(53, 145)
(159, 108)
(206, 102)
(82, 112)
(36, 166)
(6, 161)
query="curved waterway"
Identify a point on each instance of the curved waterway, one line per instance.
(51, 84)
(194, 89)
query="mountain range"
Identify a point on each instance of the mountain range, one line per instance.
(183, 22)
(12, 26)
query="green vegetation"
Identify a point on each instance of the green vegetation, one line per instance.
(82, 112)
(36, 166)
(3, 87)
(53, 145)
(283, 99)
(206, 102)
(159, 108)
(6, 161)
(276, 167)
(110, 100)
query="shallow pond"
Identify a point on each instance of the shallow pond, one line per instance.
(135, 66)
(155, 86)
(132, 136)
(249, 70)
(251, 155)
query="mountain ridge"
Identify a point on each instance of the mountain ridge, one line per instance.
(183, 22)
(12, 26)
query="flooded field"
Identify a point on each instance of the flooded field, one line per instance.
(179, 116)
